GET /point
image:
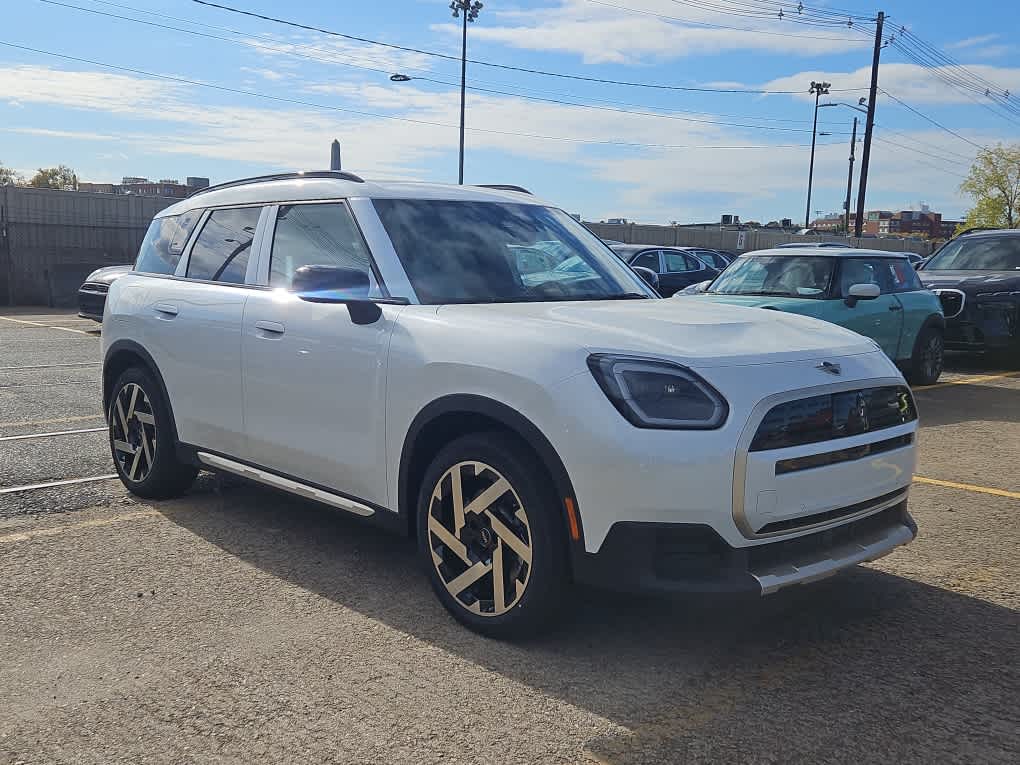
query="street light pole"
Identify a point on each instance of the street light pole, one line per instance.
(819, 89)
(468, 9)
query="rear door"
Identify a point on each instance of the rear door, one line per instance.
(314, 382)
(880, 319)
(681, 270)
(196, 324)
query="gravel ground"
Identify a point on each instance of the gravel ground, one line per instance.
(238, 625)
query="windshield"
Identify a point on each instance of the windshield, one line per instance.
(490, 252)
(786, 275)
(984, 254)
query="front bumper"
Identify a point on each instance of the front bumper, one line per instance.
(92, 301)
(987, 322)
(664, 558)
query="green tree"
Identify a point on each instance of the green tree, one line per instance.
(8, 176)
(59, 177)
(994, 184)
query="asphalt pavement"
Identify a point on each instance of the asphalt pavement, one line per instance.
(238, 625)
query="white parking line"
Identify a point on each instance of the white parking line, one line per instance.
(65, 482)
(50, 326)
(52, 421)
(49, 435)
(52, 366)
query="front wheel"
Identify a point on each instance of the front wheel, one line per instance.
(492, 537)
(926, 364)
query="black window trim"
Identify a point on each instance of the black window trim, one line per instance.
(270, 234)
(658, 257)
(702, 266)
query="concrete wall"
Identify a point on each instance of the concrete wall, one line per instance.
(754, 239)
(50, 240)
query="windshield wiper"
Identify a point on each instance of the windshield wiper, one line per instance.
(626, 296)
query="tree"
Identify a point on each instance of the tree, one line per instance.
(59, 177)
(8, 176)
(994, 184)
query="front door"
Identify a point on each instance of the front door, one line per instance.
(681, 270)
(880, 319)
(314, 381)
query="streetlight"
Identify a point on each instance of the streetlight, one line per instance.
(861, 107)
(468, 9)
(819, 89)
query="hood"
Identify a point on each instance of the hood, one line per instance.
(973, 282)
(108, 274)
(692, 331)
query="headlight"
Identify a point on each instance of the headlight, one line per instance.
(658, 394)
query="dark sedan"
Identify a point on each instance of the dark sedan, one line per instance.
(92, 294)
(977, 279)
(676, 267)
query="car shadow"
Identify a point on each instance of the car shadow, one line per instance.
(967, 403)
(864, 667)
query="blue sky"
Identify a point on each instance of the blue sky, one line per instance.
(647, 154)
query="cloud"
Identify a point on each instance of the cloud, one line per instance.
(267, 74)
(604, 33)
(328, 49)
(972, 42)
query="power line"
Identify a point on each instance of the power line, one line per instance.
(255, 94)
(507, 67)
(931, 120)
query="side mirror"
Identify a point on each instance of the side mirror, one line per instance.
(862, 292)
(918, 264)
(335, 284)
(648, 276)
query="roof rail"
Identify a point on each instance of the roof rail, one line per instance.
(339, 175)
(502, 187)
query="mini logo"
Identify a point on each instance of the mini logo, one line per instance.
(832, 369)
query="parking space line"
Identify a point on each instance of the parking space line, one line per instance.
(52, 531)
(48, 484)
(968, 381)
(968, 487)
(50, 435)
(53, 421)
(52, 366)
(50, 326)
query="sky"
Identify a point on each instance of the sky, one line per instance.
(172, 88)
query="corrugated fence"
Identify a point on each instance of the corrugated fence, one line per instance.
(50, 240)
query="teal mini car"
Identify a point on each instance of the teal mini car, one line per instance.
(877, 294)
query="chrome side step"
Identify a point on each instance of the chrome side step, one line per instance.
(285, 484)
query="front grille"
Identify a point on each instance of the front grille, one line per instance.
(98, 289)
(952, 302)
(774, 553)
(830, 515)
(836, 415)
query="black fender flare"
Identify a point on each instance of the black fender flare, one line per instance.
(514, 421)
(132, 348)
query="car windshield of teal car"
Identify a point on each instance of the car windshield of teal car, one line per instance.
(777, 275)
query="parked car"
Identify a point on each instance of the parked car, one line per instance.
(977, 278)
(372, 346)
(92, 294)
(872, 292)
(711, 258)
(676, 268)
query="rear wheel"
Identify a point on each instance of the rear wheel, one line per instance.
(142, 440)
(492, 538)
(926, 364)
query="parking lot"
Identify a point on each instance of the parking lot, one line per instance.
(239, 625)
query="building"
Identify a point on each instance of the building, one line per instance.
(144, 187)
(914, 223)
(880, 223)
(833, 222)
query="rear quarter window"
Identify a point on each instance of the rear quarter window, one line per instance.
(164, 242)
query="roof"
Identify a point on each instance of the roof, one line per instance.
(990, 232)
(825, 252)
(295, 188)
(639, 247)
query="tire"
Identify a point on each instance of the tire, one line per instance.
(142, 439)
(518, 532)
(926, 363)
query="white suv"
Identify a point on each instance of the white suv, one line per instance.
(471, 366)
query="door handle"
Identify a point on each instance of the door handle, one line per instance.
(896, 307)
(166, 308)
(270, 327)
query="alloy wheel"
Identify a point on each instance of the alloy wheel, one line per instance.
(133, 432)
(480, 538)
(931, 357)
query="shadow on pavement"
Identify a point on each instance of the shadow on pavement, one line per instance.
(968, 403)
(864, 667)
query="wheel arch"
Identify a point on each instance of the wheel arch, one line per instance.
(451, 416)
(122, 355)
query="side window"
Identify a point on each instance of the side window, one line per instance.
(317, 235)
(221, 252)
(678, 262)
(649, 259)
(863, 271)
(902, 276)
(164, 242)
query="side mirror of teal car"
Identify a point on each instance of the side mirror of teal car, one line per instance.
(877, 294)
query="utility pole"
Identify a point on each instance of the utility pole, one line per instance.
(469, 10)
(850, 179)
(869, 126)
(819, 89)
